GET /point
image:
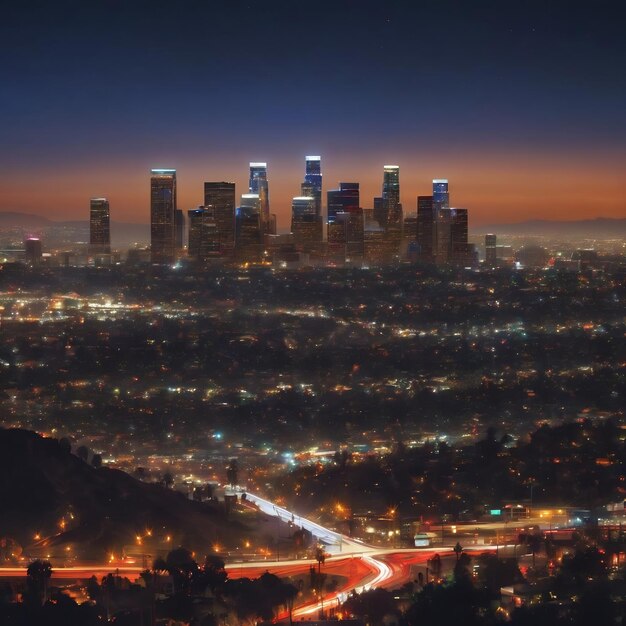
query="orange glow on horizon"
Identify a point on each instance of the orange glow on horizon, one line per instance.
(496, 188)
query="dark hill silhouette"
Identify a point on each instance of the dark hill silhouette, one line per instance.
(41, 481)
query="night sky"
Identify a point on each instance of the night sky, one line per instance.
(521, 104)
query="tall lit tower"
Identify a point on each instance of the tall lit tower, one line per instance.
(99, 226)
(312, 185)
(259, 185)
(441, 196)
(221, 196)
(163, 215)
(392, 209)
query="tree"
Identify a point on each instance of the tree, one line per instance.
(168, 480)
(182, 567)
(371, 606)
(214, 574)
(320, 557)
(37, 576)
(434, 565)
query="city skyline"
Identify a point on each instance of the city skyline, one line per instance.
(521, 107)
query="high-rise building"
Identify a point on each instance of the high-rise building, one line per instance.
(179, 227)
(221, 196)
(306, 224)
(33, 250)
(425, 229)
(162, 215)
(378, 212)
(345, 223)
(99, 226)
(443, 221)
(312, 185)
(441, 196)
(204, 237)
(491, 257)
(460, 249)
(344, 199)
(409, 237)
(391, 196)
(259, 185)
(249, 228)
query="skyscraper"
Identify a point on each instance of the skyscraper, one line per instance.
(460, 251)
(99, 226)
(312, 185)
(345, 222)
(443, 221)
(441, 197)
(221, 196)
(259, 185)
(391, 196)
(346, 198)
(162, 215)
(249, 228)
(179, 227)
(425, 228)
(204, 239)
(491, 257)
(306, 224)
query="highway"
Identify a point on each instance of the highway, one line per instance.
(357, 565)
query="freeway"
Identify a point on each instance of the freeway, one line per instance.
(332, 539)
(356, 565)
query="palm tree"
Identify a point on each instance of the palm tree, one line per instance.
(37, 576)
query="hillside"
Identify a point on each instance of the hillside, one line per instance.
(104, 509)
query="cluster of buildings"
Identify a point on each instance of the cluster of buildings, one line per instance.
(343, 233)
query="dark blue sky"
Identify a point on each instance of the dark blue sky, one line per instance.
(96, 92)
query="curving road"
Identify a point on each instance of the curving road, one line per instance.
(359, 565)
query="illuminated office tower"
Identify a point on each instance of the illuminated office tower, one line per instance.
(491, 250)
(33, 250)
(249, 228)
(221, 196)
(306, 224)
(204, 237)
(259, 185)
(425, 229)
(342, 200)
(391, 197)
(312, 185)
(443, 221)
(99, 226)
(460, 250)
(345, 222)
(441, 196)
(162, 215)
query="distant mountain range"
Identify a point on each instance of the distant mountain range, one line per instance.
(600, 228)
(122, 233)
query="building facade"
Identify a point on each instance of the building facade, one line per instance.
(99, 226)
(163, 215)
